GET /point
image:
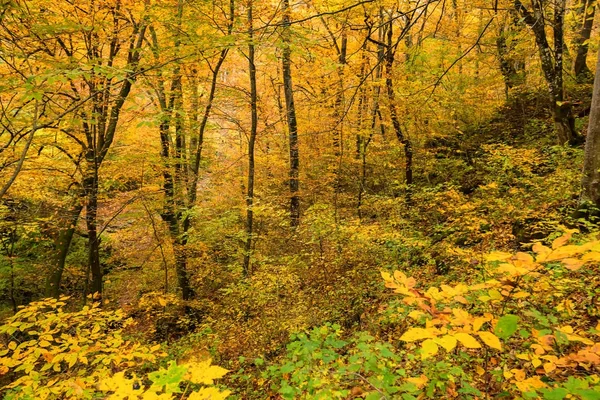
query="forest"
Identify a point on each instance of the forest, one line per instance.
(299, 199)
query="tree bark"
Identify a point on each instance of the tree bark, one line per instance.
(587, 11)
(389, 85)
(288, 88)
(552, 64)
(62, 244)
(590, 184)
(90, 186)
(251, 142)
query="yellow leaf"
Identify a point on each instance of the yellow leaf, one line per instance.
(416, 314)
(480, 371)
(467, 340)
(572, 264)
(498, 256)
(524, 257)
(592, 256)
(577, 338)
(386, 276)
(478, 322)
(549, 367)
(536, 362)
(561, 241)
(203, 372)
(12, 345)
(566, 329)
(209, 393)
(520, 295)
(419, 382)
(447, 342)
(519, 374)
(490, 340)
(523, 356)
(414, 334)
(44, 343)
(150, 395)
(541, 251)
(428, 349)
(507, 374)
(530, 384)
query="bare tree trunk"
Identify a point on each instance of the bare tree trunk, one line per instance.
(590, 184)
(62, 243)
(389, 84)
(363, 143)
(288, 88)
(90, 186)
(587, 11)
(251, 142)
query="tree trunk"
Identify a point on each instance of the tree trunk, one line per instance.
(389, 84)
(363, 143)
(552, 65)
(90, 185)
(587, 11)
(590, 193)
(291, 117)
(251, 141)
(62, 244)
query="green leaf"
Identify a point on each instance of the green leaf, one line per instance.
(554, 394)
(506, 326)
(170, 378)
(588, 394)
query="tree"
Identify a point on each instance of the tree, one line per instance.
(590, 184)
(288, 88)
(552, 61)
(87, 68)
(390, 43)
(251, 139)
(182, 144)
(586, 12)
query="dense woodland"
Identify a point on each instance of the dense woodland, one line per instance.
(299, 199)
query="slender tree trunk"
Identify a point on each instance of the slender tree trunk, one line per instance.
(251, 141)
(197, 142)
(586, 12)
(389, 84)
(590, 193)
(62, 244)
(364, 142)
(90, 186)
(288, 88)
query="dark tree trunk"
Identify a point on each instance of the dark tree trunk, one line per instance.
(552, 64)
(90, 185)
(251, 142)
(389, 84)
(62, 244)
(586, 12)
(363, 143)
(288, 88)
